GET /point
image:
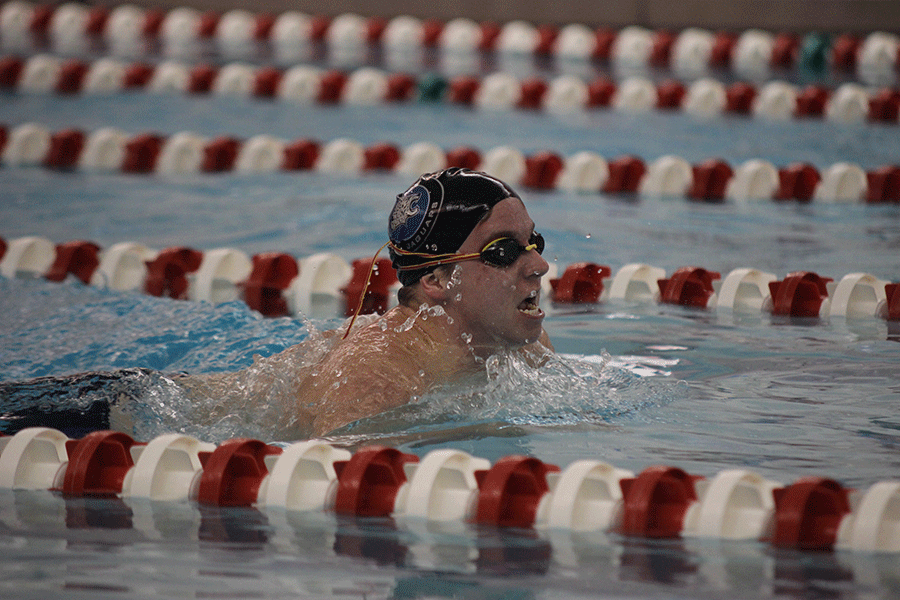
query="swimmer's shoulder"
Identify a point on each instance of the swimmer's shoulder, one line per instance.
(410, 340)
(372, 339)
(389, 326)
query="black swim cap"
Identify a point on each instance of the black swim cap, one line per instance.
(436, 215)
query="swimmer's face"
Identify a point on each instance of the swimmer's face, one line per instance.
(499, 307)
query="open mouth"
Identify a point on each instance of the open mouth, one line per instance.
(529, 306)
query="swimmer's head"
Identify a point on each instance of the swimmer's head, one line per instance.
(436, 215)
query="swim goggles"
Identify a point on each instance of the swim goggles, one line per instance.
(500, 253)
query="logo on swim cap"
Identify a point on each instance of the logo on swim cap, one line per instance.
(409, 213)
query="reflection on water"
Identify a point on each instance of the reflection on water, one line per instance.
(127, 549)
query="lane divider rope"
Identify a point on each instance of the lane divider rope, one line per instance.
(447, 485)
(703, 98)
(113, 150)
(325, 285)
(127, 30)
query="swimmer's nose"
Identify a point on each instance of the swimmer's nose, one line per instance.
(536, 265)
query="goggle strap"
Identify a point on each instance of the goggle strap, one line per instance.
(441, 261)
(365, 289)
(437, 259)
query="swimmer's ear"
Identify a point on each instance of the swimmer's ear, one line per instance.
(434, 286)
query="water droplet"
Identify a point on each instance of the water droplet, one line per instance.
(406, 325)
(455, 276)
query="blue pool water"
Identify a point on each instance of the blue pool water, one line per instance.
(700, 390)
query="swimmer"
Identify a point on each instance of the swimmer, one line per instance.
(470, 265)
(469, 261)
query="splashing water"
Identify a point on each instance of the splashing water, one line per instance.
(259, 399)
(422, 314)
(455, 277)
(565, 390)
